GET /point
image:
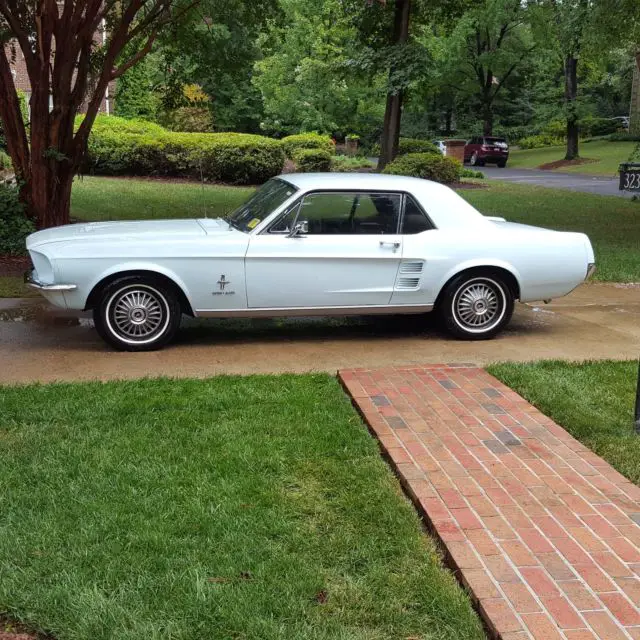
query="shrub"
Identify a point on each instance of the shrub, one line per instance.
(14, 225)
(312, 160)
(346, 164)
(624, 137)
(190, 119)
(414, 145)
(470, 173)
(591, 126)
(5, 161)
(541, 140)
(307, 141)
(143, 148)
(426, 165)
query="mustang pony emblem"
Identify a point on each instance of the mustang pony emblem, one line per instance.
(222, 284)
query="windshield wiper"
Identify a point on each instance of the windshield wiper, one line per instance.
(232, 223)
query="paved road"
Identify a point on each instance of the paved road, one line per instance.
(597, 321)
(572, 181)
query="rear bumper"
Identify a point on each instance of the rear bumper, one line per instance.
(31, 281)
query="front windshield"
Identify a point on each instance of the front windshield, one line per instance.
(262, 204)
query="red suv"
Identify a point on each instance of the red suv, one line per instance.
(482, 149)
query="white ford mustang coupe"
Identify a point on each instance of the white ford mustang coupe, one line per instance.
(309, 244)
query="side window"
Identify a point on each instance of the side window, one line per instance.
(414, 220)
(351, 213)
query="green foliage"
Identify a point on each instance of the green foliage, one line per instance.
(14, 225)
(413, 145)
(592, 126)
(347, 164)
(144, 149)
(624, 137)
(194, 119)
(635, 154)
(470, 173)
(135, 97)
(307, 141)
(426, 165)
(24, 110)
(5, 161)
(542, 140)
(312, 160)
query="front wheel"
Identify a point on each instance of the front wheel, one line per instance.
(476, 307)
(137, 314)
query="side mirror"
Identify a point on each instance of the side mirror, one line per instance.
(300, 229)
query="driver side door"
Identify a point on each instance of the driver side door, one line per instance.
(347, 256)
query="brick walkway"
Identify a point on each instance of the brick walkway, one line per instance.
(544, 533)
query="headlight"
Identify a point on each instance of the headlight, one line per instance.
(44, 268)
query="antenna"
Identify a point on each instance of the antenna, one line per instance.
(204, 205)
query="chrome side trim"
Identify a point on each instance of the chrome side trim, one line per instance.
(313, 311)
(40, 286)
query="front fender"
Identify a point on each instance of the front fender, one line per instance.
(138, 265)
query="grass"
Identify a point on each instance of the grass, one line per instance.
(14, 287)
(593, 401)
(608, 155)
(613, 224)
(253, 508)
(129, 199)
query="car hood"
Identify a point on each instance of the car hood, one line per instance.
(129, 230)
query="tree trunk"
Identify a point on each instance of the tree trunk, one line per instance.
(571, 95)
(634, 110)
(393, 113)
(487, 119)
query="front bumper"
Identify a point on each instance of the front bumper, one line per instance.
(32, 282)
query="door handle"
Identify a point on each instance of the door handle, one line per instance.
(394, 245)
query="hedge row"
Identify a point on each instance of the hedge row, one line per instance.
(294, 143)
(118, 147)
(312, 160)
(429, 166)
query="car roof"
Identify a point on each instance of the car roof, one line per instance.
(368, 181)
(444, 206)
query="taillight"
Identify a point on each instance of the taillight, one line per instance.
(484, 148)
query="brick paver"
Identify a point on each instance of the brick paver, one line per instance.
(544, 534)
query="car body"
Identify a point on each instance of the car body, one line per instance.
(622, 122)
(482, 149)
(442, 146)
(308, 244)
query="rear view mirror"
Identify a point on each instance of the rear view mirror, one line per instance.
(300, 229)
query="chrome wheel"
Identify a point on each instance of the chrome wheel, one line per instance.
(137, 314)
(479, 305)
(474, 159)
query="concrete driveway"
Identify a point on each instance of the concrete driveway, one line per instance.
(597, 321)
(604, 186)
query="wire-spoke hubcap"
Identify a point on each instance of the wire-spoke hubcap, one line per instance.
(479, 305)
(138, 314)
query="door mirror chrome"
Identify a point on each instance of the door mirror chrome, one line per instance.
(299, 230)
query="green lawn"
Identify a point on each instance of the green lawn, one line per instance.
(255, 508)
(129, 199)
(593, 401)
(608, 156)
(14, 287)
(613, 224)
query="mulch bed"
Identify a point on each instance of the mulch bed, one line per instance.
(13, 266)
(559, 164)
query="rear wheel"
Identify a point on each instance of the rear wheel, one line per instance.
(476, 306)
(502, 164)
(137, 313)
